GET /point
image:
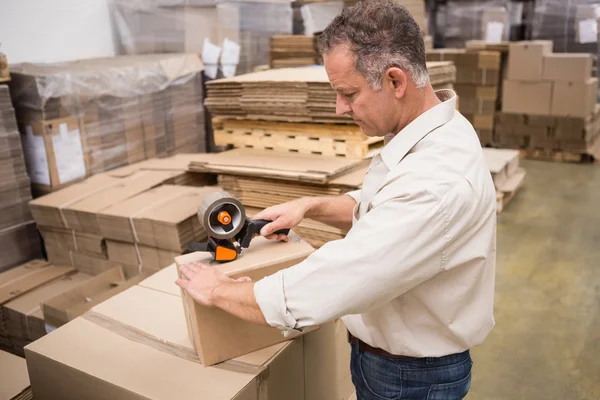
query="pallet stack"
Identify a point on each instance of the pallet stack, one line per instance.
(508, 176)
(90, 116)
(292, 51)
(549, 104)
(137, 217)
(478, 76)
(260, 179)
(19, 240)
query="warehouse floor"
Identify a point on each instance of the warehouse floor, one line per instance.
(546, 343)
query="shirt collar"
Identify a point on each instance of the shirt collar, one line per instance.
(397, 146)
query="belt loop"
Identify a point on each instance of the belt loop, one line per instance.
(429, 360)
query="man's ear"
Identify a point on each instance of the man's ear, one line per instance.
(398, 81)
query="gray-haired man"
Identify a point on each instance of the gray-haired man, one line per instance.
(414, 278)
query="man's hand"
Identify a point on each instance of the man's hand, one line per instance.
(284, 216)
(202, 282)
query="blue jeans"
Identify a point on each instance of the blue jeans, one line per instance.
(383, 378)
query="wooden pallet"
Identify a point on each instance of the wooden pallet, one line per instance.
(322, 139)
(558, 156)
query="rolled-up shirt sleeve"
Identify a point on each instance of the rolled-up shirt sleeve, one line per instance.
(355, 194)
(394, 247)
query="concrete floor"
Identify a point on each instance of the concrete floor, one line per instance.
(546, 343)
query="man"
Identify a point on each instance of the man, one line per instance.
(414, 278)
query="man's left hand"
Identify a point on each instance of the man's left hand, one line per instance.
(203, 280)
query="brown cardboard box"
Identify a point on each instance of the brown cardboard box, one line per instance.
(527, 97)
(165, 217)
(54, 151)
(23, 315)
(219, 336)
(14, 381)
(144, 258)
(74, 302)
(574, 99)
(135, 346)
(69, 240)
(567, 67)
(526, 60)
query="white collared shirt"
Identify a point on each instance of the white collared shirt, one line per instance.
(415, 274)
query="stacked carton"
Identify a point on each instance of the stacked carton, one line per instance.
(19, 240)
(137, 344)
(292, 51)
(84, 117)
(477, 82)
(14, 380)
(232, 36)
(549, 101)
(74, 221)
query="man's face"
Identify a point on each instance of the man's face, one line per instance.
(372, 111)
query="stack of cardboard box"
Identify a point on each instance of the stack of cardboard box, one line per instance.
(549, 101)
(89, 116)
(477, 82)
(292, 51)
(19, 240)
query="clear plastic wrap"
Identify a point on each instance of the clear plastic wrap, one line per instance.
(316, 16)
(232, 37)
(90, 116)
(490, 20)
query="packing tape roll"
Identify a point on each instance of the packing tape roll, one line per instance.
(216, 201)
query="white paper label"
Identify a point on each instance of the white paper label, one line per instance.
(64, 131)
(68, 152)
(210, 53)
(231, 53)
(228, 70)
(211, 71)
(493, 33)
(588, 31)
(36, 159)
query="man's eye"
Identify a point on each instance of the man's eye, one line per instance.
(348, 95)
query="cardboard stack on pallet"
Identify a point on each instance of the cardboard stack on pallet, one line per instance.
(502, 48)
(260, 179)
(84, 117)
(549, 104)
(292, 51)
(477, 82)
(145, 342)
(4, 71)
(19, 240)
(232, 36)
(14, 380)
(508, 176)
(76, 221)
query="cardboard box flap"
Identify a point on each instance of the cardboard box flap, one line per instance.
(270, 164)
(261, 253)
(126, 188)
(75, 192)
(134, 205)
(14, 378)
(29, 276)
(180, 204)
(164, 281)
(178, 162)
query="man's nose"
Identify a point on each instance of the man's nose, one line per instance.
(341, 105)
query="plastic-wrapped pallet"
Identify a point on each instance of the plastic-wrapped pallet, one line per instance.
(90, 116)
(316, 16)
(232, 37)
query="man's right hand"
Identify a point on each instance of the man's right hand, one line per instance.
(284, 216)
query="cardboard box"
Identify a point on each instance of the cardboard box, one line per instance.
(135, 345)
(23, 315)
(219, 336)
(14, 380)
(143, 259)
(73, 303)
(69, 240)
(567, 67)
(54, 151)
(95, 266)
(165, 217)
(574, 99)
(527, 97)
(526, 60)
(163, 281)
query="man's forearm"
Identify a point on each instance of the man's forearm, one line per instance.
(332, 210)
(238, 298)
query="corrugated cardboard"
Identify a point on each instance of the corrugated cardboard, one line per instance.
(526, 60)
(527, 97)
(219, 336)
(14, 381)
(567, 67)
(72, 303)
(142, 258)
(165, 217)
(135, 346)
(164, 281)
(69, 240)
(574, 99)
